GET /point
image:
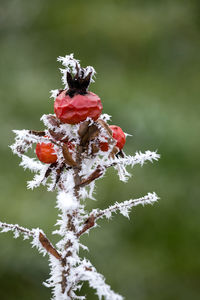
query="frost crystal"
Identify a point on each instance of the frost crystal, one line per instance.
(54, 93)
(80, 161)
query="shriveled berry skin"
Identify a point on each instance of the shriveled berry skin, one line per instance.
(118, 135)
(73, 110)
(46, 153)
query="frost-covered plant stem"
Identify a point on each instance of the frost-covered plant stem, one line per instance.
(78, 161)
(71, 227)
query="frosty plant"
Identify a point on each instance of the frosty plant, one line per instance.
(75, 149)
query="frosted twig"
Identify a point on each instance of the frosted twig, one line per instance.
(40, 241)
(138, 158)
(86, 272)
(128, 160)
(123, 208)
(17, 230)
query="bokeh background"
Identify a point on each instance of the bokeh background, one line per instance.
(147, 57)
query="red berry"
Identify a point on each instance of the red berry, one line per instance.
(77, 108)
(118, 135)
(46, 153)
(104, 146)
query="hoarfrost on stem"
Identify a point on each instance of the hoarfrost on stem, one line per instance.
(80, 162)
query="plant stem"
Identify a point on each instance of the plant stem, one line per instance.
(70, 224)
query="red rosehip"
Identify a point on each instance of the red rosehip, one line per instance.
(77, 108)
(104, 146)
(46, 153)
(118, 135)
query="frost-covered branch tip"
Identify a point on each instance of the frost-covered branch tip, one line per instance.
(39, 240)
(17, 230)
(138, 158)
(123, 208)
(96, 281)
(120, 163)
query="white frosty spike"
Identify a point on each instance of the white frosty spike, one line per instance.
(38, 178)
(124, 207)
(25, 233)
(138, 158)
(31, 164)
(16, 229)
(54, 93)
(86, 272)
(105, 117)
(121, 163)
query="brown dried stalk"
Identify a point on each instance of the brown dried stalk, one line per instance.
(48, 246)
(90, 222)
(70, 225)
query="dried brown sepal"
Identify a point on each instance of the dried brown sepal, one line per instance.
(20, 148)
(96, 174)
(90, 134)
(93, 131)
(88, 269)
(67, 156)
(48, 171)
(38, 133)
(58, 168)
(95, 148)
(78, 84)
(53, 121)
(48, 246)
(121, 154)
(114, 151)
(83, 128)
(88, 224)
(58, 136)
(103, 124)
(58, 173)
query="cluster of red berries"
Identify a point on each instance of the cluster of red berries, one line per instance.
(73, 106)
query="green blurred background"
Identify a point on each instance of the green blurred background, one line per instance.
(147, 57)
